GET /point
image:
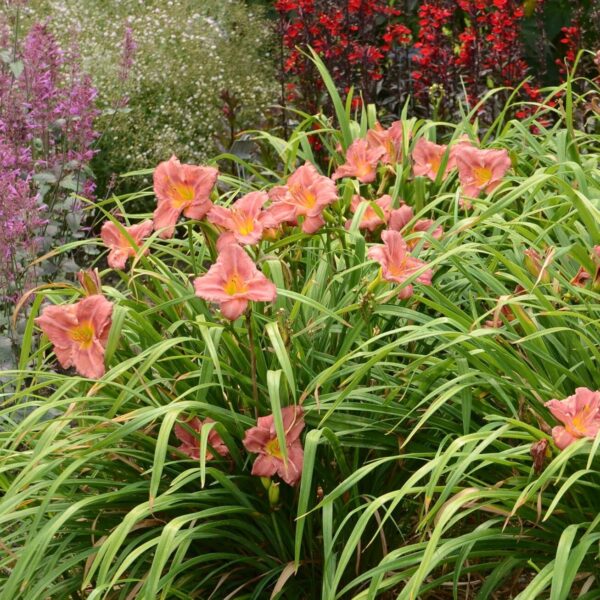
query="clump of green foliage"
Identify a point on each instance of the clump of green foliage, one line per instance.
(421, 414)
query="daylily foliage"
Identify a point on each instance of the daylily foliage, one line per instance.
(340, 375)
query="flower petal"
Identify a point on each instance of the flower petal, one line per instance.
(265, 466)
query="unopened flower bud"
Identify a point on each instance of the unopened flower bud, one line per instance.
(90, 282)
(274, 494)
(539, 453)
(271, 233)
(371, 287)
(596, 259)
(533, 264)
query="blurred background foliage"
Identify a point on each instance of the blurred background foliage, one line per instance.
(201, 73)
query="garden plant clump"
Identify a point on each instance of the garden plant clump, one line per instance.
(367, 374)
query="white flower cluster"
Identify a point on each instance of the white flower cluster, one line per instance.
(188, 53)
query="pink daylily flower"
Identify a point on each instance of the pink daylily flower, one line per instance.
(426, 226)
(370, 219)
(181, 188)
(401, 217)
(305, 194)
(580, 415)
(581, 278)
(262, 440)
(427, 159)
(396, 219)
(190, 444)
(481, 170)
(233, 281)
(387, 141)
(397, 264)
(79, 333)
(243, 220)
(361, 162)
(120, 248)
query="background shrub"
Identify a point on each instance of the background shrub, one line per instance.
(202, 72)
(436, 54)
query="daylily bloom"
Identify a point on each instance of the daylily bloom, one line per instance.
(305, 194)
(361, 162)
(427, 226)
(234, 280)
(397, 264)
(387, 141)
(120, 247)
(580, 415)
(400, 217)
(190, 443)
(79, 333)
(427, 159)
(262, 440)
(370, 219)
(481, 170)
(181, 189)
(581, 278)
(243, 219)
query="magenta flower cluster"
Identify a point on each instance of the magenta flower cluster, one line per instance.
(47, 112)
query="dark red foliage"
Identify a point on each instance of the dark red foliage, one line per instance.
(434, 60)
(346, 34)
(571, 38)
(439, 52)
